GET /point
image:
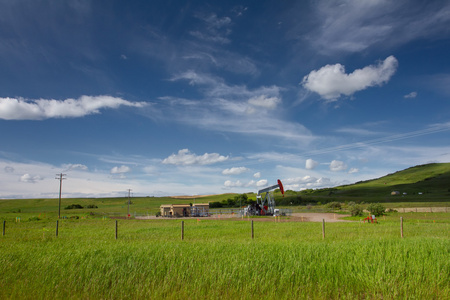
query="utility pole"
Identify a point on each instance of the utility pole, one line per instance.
(60, 178)
(129, 191)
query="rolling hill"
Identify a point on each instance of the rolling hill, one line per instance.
(430, 182)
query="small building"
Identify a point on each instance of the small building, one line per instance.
(165, 210)
(200, 210)
(185, 210)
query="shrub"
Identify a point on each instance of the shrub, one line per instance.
(334, 205)
(356, 210)
(376, 209)
(92, 206)
(74, 206)
(158, 214)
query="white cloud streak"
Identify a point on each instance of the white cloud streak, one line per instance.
(216, 29)
(22, 109)
(120, 170)
(410, 95)
(353, 25)
(353, 170)
(235, 171)
(306, 182)
(185, 158)
(30, 178)
(331, 81)
(228, 184)
(227, 109)
(337, 166)
(70, 167)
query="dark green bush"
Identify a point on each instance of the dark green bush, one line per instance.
(356, 210)
(334, 205)
(215, 204)
(91, 206)
(376, 209)
(74, 206)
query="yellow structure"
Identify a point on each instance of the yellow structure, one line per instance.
(185, 210)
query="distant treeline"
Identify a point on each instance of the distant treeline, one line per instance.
(290, 198)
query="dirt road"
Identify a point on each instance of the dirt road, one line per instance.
(295, 217)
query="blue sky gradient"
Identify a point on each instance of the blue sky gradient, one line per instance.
(194, 98)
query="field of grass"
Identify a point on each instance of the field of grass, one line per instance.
(218, 259)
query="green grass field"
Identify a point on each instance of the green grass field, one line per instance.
(218, 259)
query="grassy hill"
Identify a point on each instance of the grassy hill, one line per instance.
(424, 183)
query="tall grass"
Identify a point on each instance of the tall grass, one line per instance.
(218, 259)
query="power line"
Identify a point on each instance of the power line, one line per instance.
(129, 191)
(60, 178)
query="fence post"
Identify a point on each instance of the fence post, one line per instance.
(401, 226)
(57, 223)
(4, 227)
(116, 229)
(323, 228)
(182, 230)
(252, 231)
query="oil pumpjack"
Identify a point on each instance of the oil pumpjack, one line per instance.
(264, 206)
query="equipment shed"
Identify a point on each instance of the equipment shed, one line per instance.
(185, 210)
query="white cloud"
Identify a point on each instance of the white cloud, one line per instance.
(257, 175)
(261, 183)
(264, 101)
(30, 178)
(23, 109)
(353, 25)
(234, 171)
(306, 182)
(311, 164)
(231, 184)
(353, 170)
(337, 165)
(251, 184)
(331, 81)
(225, 108)
(216, 30)
(120, 170)
(69, 167)
(184, 157)
(410, 95)
(358, 131)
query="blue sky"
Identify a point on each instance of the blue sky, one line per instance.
(196, 97)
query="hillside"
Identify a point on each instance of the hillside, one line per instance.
(430, 182)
